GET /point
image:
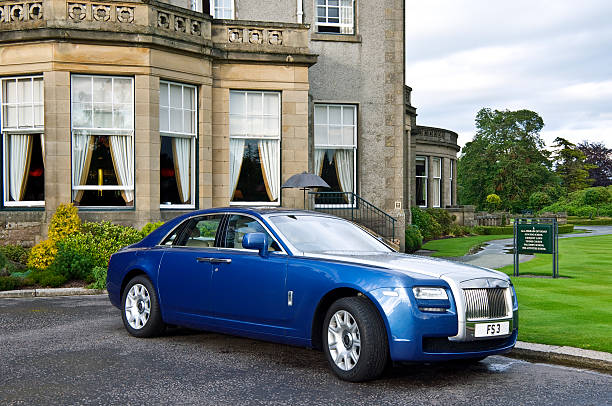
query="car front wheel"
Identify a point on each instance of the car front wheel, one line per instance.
(355, 339)
(140, 310)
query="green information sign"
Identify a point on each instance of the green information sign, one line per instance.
(535, 238)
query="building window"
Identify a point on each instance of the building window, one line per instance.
(450, 182)
(102, 140)
(222, 9)
(335, 16)
(23, 142)
(178, 131)
(436, 181)
(254, 147)
(335, 150)
(421, 181)
(196, 5)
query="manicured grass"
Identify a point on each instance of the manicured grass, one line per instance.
(577, 311)
(459, 246)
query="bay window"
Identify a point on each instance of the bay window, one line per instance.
(422, 172)
(254, 145)
(436, 181)
(102, 140)
(23, 142)
(177, 126)
(335, 16)
(335, 152)
(222, 9)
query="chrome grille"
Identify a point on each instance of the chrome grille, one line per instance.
(485, 303)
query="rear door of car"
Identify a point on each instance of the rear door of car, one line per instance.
(248, 291)
(185, 270)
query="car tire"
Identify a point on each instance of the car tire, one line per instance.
(140, 308)
(355, 339)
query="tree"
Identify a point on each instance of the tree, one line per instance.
(597, 196)
(538, 200)
(493, 202)
(506, 157)
(570, 165)
(598, 155)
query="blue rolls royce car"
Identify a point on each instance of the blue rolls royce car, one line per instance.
(313, 280)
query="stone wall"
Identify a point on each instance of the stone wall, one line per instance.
(22, 227)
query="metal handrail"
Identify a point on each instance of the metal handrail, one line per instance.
(353, 207)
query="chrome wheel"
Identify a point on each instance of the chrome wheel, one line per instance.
(344, 340)
(137, 306)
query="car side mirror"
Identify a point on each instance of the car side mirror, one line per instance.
(256, 241)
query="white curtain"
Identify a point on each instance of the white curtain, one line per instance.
(19, 161)
(42, 147)
(122, 152)
(236, 156)
(319, 154)
(270, 160)
(344, 169)
(82, 149)
(346, 16)
(181, 149)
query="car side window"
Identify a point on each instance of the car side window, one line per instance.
(238, 226)
(201, 232)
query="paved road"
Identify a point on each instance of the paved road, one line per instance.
(496, 253)
(74, 350)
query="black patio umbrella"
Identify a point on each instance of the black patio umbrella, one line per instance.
(304, 181)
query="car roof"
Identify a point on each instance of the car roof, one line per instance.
(262, 211)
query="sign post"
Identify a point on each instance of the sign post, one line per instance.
(536, 235)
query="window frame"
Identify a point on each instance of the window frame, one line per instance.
(450, 182)
(96, 132)
(327, 146)
(5, 132)
(437, 189)
(326, 6)
(232, 10)
(225, 225)
(277, 138)
(193, 136)
(424, 177)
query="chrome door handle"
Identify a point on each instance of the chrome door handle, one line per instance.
(204, 260)
(220, 261)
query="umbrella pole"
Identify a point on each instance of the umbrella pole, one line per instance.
(304, 198)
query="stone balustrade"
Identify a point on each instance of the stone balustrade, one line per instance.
(258, 36)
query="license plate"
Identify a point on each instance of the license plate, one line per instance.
(492, 329)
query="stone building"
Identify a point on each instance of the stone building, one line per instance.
(139, 110)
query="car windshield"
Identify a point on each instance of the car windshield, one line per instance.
(326, 235)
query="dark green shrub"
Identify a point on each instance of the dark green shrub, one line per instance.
(99, 276)
(457, 231)
(429, 227)
(119, 236)
(76, 256)
(443, 218)
(15, 253)
(537, 200)
(414, 239)
(10, 283)
(149, 228)
(47, 278)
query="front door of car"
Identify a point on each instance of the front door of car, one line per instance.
(248, 291)
(185, 271)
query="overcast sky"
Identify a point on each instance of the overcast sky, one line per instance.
(550, 56)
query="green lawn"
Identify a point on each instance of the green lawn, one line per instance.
(460, 246)
(577, 311)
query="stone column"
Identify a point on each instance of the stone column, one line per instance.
(429, 181)
(205, 143)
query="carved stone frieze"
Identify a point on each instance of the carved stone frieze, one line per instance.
(255, 36)
(77, 11)
(18, 12)
(179, 23)
(101, 12)
(125, 14)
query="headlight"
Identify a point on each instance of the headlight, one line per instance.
(427, 293)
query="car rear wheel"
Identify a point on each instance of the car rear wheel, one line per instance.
(355, 339)
(140, 308)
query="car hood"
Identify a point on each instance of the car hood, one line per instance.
(414, 264)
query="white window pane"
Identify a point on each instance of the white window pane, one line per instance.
(189, 126)
(188, 96)
(122, 119)
(10, 116)
(163, 94)
(81, 115)
(10, 93)
(348, 115)
(254, 103)
(176, 96)
(348, 136)
(122, 91)
(255, 126)
(25, 90)
(39, 116)
(335, 115)
(26, 116)
(163, 119)
(102, 90)
(332, 2)
(321, 135)
(237, 103)
(271, 126)
(238, 125)
(81, 89)
(176, 119)
(436, 167)
(320, 115)
(271, 104)
(103, 116)
(335, 135)
(38, 90)
(346, 3)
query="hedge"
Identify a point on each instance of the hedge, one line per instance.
(509, 230)
(589, 222)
